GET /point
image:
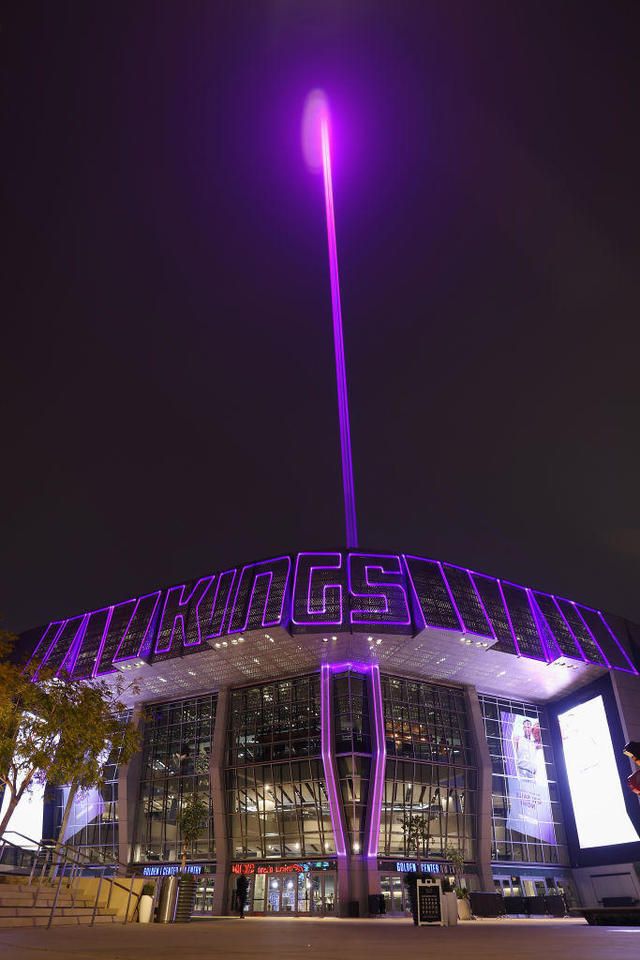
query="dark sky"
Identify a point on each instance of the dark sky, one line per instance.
(167, 389)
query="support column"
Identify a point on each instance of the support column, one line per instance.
(327, 747)
(376, 786)
(128, 794)
(483, 794)
(218, 799)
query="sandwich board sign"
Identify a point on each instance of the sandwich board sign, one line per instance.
(429, 894)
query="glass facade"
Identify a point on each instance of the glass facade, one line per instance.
(175, 765)
(93, 819)
(277, 802)
(526, 820)
(430, 773)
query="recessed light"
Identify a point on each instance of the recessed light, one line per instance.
(334, 638)
(370, 639)
(325, 639)
(217, 646)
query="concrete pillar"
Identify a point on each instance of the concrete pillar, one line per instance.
(128, 794)
(219, 801)
(483, 794)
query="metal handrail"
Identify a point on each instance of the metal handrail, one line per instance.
(60, 857)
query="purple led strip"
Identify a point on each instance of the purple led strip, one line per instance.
(453, 603)
(406, 619)
(380, 762)
(618, 644)
(570, 629)
(311, 614)
(341, 376)
(326, 749)
(586, 626)
(506, 608)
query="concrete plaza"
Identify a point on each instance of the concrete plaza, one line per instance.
(325, 939)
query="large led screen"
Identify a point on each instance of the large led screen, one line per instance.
(594, 781)
(527, 783)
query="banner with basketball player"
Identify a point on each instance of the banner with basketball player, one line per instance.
(527, 783)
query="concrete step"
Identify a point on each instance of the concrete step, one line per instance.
(41, 911)
(58, 921)
(44, 901)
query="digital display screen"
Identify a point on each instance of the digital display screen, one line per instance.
(594, 780)
(527, 783)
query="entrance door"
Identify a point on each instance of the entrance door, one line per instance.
(203, 904)
(294, 893)
(394, 892)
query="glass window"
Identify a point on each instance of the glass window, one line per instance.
(431, 773)
(277, 801)
(175, 765)
(527, 822)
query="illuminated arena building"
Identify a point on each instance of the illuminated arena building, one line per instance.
(318, 700)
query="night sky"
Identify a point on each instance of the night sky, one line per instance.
(168, 400)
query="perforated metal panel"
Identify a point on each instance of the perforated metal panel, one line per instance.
(580, 631)
(563, 637)
(522, 621)
(88, 653)
(433, 596)
(605, 641)
(490, 594)
(467, 600)
(260, 595)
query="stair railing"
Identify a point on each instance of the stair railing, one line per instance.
(65, 861)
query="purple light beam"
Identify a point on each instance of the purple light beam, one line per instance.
(341, 376)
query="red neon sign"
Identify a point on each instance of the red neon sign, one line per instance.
(251, 868)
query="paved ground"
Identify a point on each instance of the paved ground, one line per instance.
(301, 939)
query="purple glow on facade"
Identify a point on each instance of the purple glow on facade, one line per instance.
(211, 620)
(422, 602)
(396, 604)
(484, 609)
(632, 669)
(103, 640)
(174, 612)
(310, 615)
(453, 602)
(341, 376)
(586, 626)
(506, 610)
(379, 762)
(258, 572)
(339, 591)
(144, 611)
(326, 749)
(568, 626)
(46, 643)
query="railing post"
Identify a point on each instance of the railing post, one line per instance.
(95, 905)
(55, 900)
(126, 911)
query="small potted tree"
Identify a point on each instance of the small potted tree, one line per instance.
(456, 858)
(416, 832)
(145, 904)
(191, 821)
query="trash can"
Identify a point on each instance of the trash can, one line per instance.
(168, 899)
(374, 904)
(354, 908)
